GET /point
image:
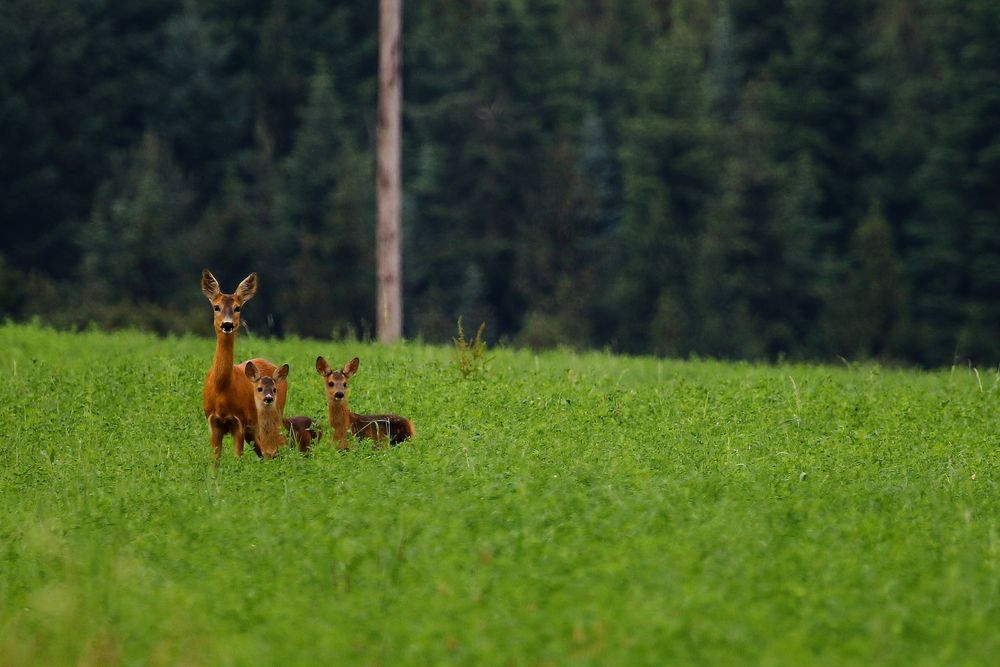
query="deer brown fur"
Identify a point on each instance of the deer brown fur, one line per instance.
(228, 393)
(267, 433)
(343, 422)
(303, 431)
(267, 436)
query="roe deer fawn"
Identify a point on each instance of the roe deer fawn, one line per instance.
(393, 428)
(302, 429)
(229, 395)
(269, 418)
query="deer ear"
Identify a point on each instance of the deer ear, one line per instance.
(247, 288)
(351, 367)
(209, 285)
(281, 373)
(322, 367)
(251, 371)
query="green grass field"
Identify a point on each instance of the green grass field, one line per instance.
(557, 509)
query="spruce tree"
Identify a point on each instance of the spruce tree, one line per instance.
(874, 317)
(324, 213)
(669, 174)
(137, 244)
(955, 238)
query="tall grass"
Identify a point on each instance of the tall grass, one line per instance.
(556, 509)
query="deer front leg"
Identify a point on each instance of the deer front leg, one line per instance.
(249, 435)
(238, 438)
(340, 442)
(215, 433)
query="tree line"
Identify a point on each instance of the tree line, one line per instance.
(809, 179)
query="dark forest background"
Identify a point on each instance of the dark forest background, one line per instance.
(743, 179)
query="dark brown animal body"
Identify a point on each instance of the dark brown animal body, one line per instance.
(380, 428)
(303, 431)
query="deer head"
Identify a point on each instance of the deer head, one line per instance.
(336, 381)
(265, 386)
(227, 307)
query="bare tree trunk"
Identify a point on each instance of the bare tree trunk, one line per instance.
(389, 302)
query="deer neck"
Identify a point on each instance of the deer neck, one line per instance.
(340, 418)
(222, 362)
(268, 421)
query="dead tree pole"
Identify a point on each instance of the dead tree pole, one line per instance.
(389, 301)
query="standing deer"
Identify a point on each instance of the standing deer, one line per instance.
(393, 428)
(229, 394)
(269, 418)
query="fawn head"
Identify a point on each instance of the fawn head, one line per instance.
(227, 306)
(265, 386)
(336, 381)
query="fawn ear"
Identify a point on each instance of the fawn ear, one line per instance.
(322, 367)
(209, 285)
(251, 371)
(351, 367)
(248, 287)
(281, 373)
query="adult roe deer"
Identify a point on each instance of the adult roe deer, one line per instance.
(229, 394)
(393, 428)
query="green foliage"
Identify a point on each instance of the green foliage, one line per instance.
(204, 113)
(566, 509)
(321, 211)
(669, 169)
(673, 178)
(956, 266)
(142, 210)
(872, 316)
(470, 357)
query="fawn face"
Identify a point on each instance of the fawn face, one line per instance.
(267, 437)
(265, 386)
(336, 381)
(227, 307)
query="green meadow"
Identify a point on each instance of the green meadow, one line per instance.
(556, 508)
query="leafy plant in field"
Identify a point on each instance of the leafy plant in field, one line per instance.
(470, 358)
(632, 488)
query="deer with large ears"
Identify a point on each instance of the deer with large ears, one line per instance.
(379, 428)
(268, 438)
(229, 394)
(267, 434)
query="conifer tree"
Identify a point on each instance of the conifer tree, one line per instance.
(669, 174)
(873, 318)
(325, 211)
(137, 243)
(955, 256)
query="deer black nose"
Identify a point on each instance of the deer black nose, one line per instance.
(227, 326)
(339, 395)
(269, 399)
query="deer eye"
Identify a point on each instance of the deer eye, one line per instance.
(345, 385)
(236, 309)
(329, 384)
(260, 389)
(217, 309)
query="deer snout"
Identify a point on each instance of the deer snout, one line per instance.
(227, 327)
(339, 395)
(269, 398)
